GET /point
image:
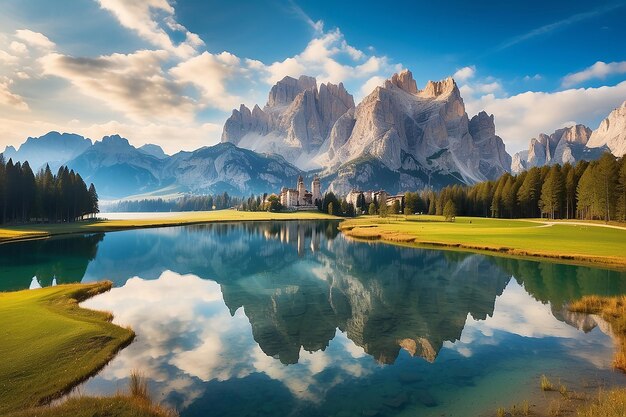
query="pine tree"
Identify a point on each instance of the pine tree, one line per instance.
(449, 211)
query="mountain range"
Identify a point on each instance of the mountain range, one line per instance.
(397, 138)
(575, 143)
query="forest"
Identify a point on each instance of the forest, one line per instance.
(43, 197)
(593, 190)
(186, 203)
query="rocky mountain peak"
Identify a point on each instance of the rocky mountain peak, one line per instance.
(482, 125)
(404, 81)
(439, 88)
(611, 132)
(286, 90)
(565, 145)
(338, 91)
(574, 134)
(115, 140)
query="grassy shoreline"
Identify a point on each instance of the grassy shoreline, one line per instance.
(9, 234)
(585, 244)
(49, 344)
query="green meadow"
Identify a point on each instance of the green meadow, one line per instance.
(575, 242)
(49, 344)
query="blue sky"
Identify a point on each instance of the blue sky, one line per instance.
(170, 72)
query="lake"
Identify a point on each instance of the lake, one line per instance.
(292, 318)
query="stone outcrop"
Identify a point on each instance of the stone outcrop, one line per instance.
(611, 132)
(418, 135)
(574, 143)
(295, 123)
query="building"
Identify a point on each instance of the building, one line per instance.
(399, 198)
(300, 198)
(369, 196)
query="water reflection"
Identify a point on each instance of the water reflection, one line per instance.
(291, 318)
(42, 262)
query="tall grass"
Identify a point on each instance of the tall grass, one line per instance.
(608, 404)
(613, 311)
(138, 386)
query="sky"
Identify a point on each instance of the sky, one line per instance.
(170, 72)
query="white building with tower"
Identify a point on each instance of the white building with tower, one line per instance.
(300, 198)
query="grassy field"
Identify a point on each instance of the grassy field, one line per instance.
(117, 406)
(586, 244)
(48, 344)
(177, 219)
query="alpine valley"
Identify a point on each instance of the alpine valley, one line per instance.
(398, 138)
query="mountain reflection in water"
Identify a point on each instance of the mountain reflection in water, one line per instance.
(267, 318)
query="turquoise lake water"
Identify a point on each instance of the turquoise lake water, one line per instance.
(293, 319)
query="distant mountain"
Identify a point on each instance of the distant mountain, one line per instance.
(398, 135)
(575, 143)
(154, 150)
(120, 170)
(226, 167)
(611, 132)
(53, 148)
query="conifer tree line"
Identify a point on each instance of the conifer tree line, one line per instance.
(43, 197)
(186, 203)
(588, 190)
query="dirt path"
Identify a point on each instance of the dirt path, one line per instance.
(549, 223)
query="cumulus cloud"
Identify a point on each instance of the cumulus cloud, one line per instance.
(8, 59)
(133, 84)
(8, 98)
(210, 73)
(329, 58)
(465, 73)
(35, 39)
(371, 84)
(599, 70)
(148, 18)
(523, 116)
(18, 47)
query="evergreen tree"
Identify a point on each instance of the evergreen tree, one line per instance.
(449, 211)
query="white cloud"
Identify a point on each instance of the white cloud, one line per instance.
(599, 70)
(323, 58)
(8, 59)
(35, 39)
(521, 117)
(210, 73)
(133, 84)
(371, 84)
(18, 47)
(465, 73)
(146, 18)
(10, 99)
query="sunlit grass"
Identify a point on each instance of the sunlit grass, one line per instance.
(523, 238)
(613, 310)
(608, 404)
(135, 403)
(49, 344)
